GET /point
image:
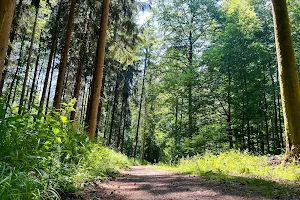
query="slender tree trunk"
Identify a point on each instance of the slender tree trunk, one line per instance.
(64, 58)
(123, 132)
(6, 16)
(98, 72)
(51, 55)
(77, 88)
(28, 62)
(140, 106)
(82, 102)
(50, 84)
(266, 120)
(120, 125)
(280, 121)
(230, 133)
(100, 104)
(275, 112)
(106, 119)
(190, 97)
(34, 76)
(288, 77)
(115, 105)
(16, 74)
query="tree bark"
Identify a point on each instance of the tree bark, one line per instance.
(98, 72)
(28, 61)
(77, 88)
(266, 120)
(12, 36)
(6, 16)
(115, 105)
(50, 84)
(34, 76)
(64, 58)
(16, 74)
(288, 77)
(51, 55)
(140, 106)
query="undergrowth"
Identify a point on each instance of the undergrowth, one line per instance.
(239, 163)
(42, 157)
(268, 176)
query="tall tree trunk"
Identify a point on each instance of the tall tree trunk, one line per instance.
(106, 119)
(82, 102)
(140, 106)
(51, 55)
(64, 58)
(6, 16)
(77, 88)
(280, 121)
(123, 132)
(120, 123)
(28, 61)
(34, 76)
(50, 84)
(115, 105)
(16, 74)
(100, 104)
(266, 120)
(98, 72)
(230, 133)
(275, 111)
(288, 77)
(12, 36)
(190, 97)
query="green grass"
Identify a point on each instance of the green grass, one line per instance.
(256, 174)
(43, 157)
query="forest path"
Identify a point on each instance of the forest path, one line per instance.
(146, 182)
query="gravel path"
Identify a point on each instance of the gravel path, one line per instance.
(144, 182)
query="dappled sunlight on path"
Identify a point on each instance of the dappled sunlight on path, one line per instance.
(144, 182)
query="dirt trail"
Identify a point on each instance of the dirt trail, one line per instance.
(144, 182)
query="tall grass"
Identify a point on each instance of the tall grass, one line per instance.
(242, 164)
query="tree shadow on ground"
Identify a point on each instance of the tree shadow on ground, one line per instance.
(178, 186)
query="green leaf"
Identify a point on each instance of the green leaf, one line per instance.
(64, 119)
(58, 139)
(55, 131)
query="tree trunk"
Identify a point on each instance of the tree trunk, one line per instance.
(288, 77)
(16, 74)
(98, 72)
(51, 55)
(77, 88)
(34, 76)
(280, 122)
(64, 58)
(50, 84)
(190, 97)
(230, 133)
(115, 105)
(6, 16)
(28, 62)
(140, 107)
(12, 36)
(266, 120)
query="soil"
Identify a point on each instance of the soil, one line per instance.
(145, 182)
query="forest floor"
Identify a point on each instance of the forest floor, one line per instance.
(146, 182)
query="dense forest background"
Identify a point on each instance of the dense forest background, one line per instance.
(194, 76)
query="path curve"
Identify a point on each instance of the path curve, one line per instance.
(148, 183)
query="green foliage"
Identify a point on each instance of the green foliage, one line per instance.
(245, 164)
(44, 156)
(262, 175)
